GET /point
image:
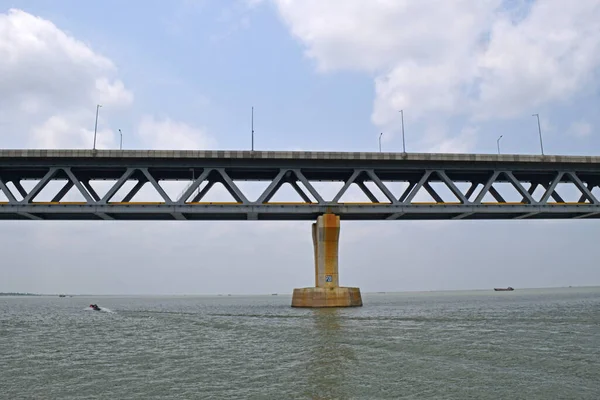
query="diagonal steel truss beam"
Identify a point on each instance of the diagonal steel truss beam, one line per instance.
(275, 184)
(397, 208)
(486, 188)
(461, 197)
(232, 187)
(20, 188)
(526, 196)
(134, 190)
(300, 192)
(384, 189)
(40, 185)
(157, 187)
(415, 188)
(4, 189)
(584, 190)
(308, 186)
(74, 180)
(367, 191)
(550, 190)
(63, 192)
(91, 190)
(432, 193)
(115, 188)
(195, 185)
(347, 184)
(201, 193)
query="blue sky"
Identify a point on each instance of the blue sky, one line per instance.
(198, 62)
(321, 76)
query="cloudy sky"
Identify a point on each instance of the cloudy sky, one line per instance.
(322, 75)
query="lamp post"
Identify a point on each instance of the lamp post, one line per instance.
(121, 144)
(403, 143)
(252, 128)
(380, 141)
(540, 131)
(498, 143)
(96, 125)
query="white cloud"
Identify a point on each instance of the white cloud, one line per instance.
(172, 135)
(474, 58)
(438, 140)
(580, 129)
(50, 84)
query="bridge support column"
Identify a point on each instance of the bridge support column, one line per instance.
(327, 292)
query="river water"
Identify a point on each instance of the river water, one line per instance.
(526, 344)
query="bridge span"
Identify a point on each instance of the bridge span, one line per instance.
(473, 181)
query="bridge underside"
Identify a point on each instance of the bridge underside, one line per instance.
(290, 213)
(394, 187)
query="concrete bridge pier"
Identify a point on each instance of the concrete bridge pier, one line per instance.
(327, 292)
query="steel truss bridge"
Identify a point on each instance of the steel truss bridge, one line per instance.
(472, 179)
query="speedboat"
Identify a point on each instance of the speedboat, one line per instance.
(508, 289)
(95, 307)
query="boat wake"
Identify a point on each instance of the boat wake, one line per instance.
(100, 309)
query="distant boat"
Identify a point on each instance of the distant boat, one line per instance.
(508, 289)
(62, 295)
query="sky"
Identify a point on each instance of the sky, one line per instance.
(321, 76)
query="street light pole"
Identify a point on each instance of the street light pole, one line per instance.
(96, 125)
(253, 128)
(121, 145)
(380, 141)
(540, 130)
(498, 143)
(403, 143)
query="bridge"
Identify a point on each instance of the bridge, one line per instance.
(474, 182)
(459, 187)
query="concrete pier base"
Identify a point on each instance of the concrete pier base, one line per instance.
(315, 297)
(327, 292)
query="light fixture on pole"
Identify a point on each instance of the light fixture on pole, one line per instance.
(498, 143)
(540, 131)
(403, 143)
(121, 144)
(380, 134)
(96, 125)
